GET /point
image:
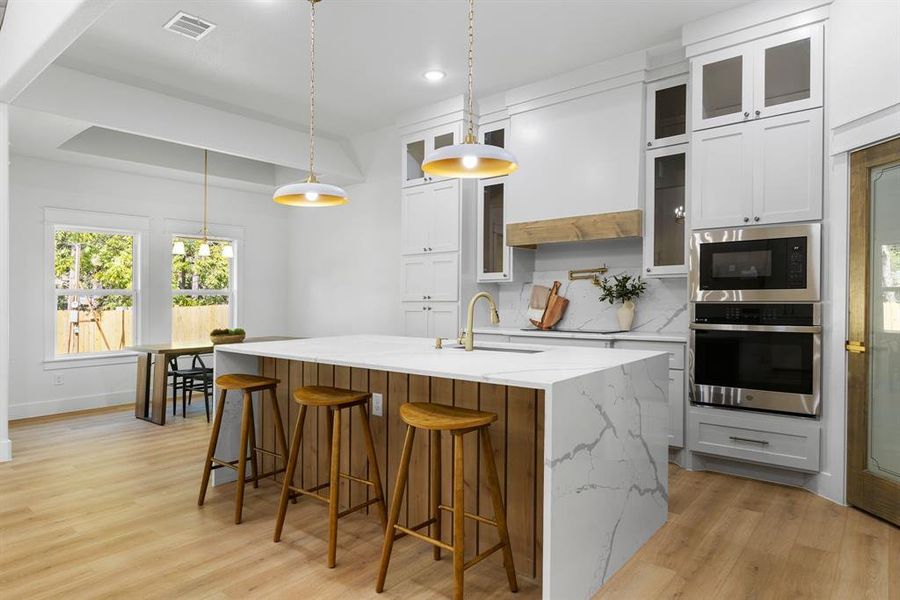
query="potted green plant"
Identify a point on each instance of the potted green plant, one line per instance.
(227, 336)
(625, 289)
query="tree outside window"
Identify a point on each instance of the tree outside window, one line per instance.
(202, 294)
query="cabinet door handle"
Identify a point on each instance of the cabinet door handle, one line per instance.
(648, 269)
(758, 113)
(746, 219)
(649, 143)
(424, 297)
(423, 308)
(746, 114)
(742, 439)
(429, 249)
(756, 219)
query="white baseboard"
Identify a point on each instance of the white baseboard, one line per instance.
(5, 450)
(64, 405)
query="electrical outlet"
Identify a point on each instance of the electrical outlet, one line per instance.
(58, 379)
(377, 405)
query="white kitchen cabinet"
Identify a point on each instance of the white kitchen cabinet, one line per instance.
(416, 147)
(667, 112)
(787, 168)
(764, 172)
(431, 319)
(430, 277)
(430, 218)
(782, 441)
(494, 260)
(665, 211)
(771, 76)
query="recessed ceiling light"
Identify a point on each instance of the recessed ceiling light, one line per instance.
(434, 75)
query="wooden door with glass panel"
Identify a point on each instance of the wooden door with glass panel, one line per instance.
(873, 347)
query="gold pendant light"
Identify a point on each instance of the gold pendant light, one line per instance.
(470, 160)
(311, 192)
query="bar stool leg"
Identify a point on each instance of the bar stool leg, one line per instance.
(254, 459)
(396, 502)
(213, 441)
(459, 517)
(279, 428)
(436, 489)
(493, 481)
(374, 474)
(242, 457)
(334, 495)
(289, 473)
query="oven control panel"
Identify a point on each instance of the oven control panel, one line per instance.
(721, 313)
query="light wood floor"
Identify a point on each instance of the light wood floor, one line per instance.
(103, 505)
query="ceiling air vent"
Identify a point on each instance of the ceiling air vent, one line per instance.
(189, 26)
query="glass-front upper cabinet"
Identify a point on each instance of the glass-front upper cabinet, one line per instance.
(778, 74)
(665, 214)
(494, 134)
(493, 255)
(417, 146)
(667, 112)
(788, 72)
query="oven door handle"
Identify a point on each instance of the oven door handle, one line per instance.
(763, 328)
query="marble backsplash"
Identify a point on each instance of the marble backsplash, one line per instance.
(662, 308)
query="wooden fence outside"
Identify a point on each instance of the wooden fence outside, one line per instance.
(113, 329)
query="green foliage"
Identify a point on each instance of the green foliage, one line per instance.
(623, 287)
(235, 331)
(191, 271)
(106, 263)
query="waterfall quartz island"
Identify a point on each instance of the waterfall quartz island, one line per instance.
(580, 442)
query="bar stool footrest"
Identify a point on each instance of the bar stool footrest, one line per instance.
(420, 536)
(480, 557)
(474, 517)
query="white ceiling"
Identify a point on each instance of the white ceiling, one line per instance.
(371, 53)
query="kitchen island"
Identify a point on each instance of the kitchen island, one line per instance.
(580, 442)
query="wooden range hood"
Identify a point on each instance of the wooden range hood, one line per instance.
(603, 226)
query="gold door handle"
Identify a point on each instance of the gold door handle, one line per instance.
(855, 347)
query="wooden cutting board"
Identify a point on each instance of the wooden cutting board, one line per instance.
(556, 308)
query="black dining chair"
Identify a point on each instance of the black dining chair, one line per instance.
(184, 377)
(200, 379)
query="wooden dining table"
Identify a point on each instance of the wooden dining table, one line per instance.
(153, 371)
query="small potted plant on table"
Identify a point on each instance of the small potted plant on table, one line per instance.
(227, 336)
(626, 289)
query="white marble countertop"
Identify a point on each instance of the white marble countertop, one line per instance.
(634, 336)
(418, 356)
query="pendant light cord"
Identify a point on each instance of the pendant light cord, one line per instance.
(312, 88)
(470, 131)
(205, 191)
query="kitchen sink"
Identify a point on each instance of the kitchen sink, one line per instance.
(512, 350)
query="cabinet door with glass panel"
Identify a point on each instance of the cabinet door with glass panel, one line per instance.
(788, 72)
(777, 74)
(493, 256)
(417, 146)
(665, 214)
(667, 122)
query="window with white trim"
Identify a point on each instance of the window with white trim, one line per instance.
(95, 301)
(203, 291)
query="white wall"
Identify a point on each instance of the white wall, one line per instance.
(345, 261)
(38, 183)
(5, 446)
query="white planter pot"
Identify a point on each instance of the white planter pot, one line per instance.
(625, 315)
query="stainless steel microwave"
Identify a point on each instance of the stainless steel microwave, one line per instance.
(756, 264)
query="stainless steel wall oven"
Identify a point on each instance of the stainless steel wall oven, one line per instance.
(763, 357)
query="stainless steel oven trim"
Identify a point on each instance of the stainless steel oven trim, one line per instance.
(692, 315)
(763, 328)
(797, 404)
(813, 233)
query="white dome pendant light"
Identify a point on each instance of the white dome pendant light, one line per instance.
(311, 192)
(470, 160)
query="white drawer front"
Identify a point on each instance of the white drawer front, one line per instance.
(555, 341)
(780, 441)
(676, 408)
(675, 350)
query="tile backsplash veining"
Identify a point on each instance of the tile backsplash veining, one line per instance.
(662, 308)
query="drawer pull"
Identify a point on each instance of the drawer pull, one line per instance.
(742, 439)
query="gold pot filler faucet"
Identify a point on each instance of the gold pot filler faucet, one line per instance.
(466, 337)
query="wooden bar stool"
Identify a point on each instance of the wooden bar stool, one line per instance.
(458, 421)
(247, 384)
(334, 400)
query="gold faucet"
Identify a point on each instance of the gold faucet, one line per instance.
(466, 338)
